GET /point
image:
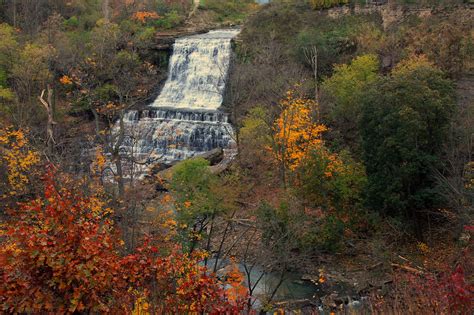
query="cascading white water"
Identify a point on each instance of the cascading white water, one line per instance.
(197, 73)
(185, 119)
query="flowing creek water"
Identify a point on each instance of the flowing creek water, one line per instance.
(292, 288)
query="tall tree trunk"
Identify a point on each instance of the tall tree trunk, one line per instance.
(311, 55)
(117, 158)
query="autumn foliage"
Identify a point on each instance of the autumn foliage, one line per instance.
(66, 80)
(295, 133)
(448, 292)
(176, 283)
(143, 16)
(61, 253)
(17, 158)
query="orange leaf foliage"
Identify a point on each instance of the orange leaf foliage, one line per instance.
(236, 284)
(65, 80)
(295, 133)
(143, 16)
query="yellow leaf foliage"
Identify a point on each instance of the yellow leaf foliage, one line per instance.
(99, 162)
(17, 157)
(141, 307)
(408, 65)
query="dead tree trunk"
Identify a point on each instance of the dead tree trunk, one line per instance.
(48, 105)
(311, 55)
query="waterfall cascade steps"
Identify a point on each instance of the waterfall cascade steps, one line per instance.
(184, 120)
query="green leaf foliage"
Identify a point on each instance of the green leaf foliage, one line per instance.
(345, 92)
(404, 123)
(191, 183)
(340, 192)
(325, 4)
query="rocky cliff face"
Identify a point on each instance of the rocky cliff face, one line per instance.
(390, 14)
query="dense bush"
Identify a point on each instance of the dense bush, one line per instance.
(404, 124)
(191, 184)
(287, 226)
(332, 182)
(327, 234)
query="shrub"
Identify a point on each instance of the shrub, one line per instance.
(326, 4)
(71, 23)
(450, 292)
(332, 182)
(169, 20)
(327, 234)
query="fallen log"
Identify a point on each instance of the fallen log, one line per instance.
(407, 268)
(293, 302)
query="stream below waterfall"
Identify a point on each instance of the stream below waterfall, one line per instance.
(292, 286)
(294, 290)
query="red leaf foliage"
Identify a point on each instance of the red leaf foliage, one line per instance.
(448, 292)
(59, 254)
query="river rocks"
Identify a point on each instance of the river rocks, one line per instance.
(214, 156)
(329, 301)
(336, 291)
(334, 301)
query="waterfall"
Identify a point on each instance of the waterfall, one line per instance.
(185, 119)
(197, 73)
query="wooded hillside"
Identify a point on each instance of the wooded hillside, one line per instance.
(349, 186)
